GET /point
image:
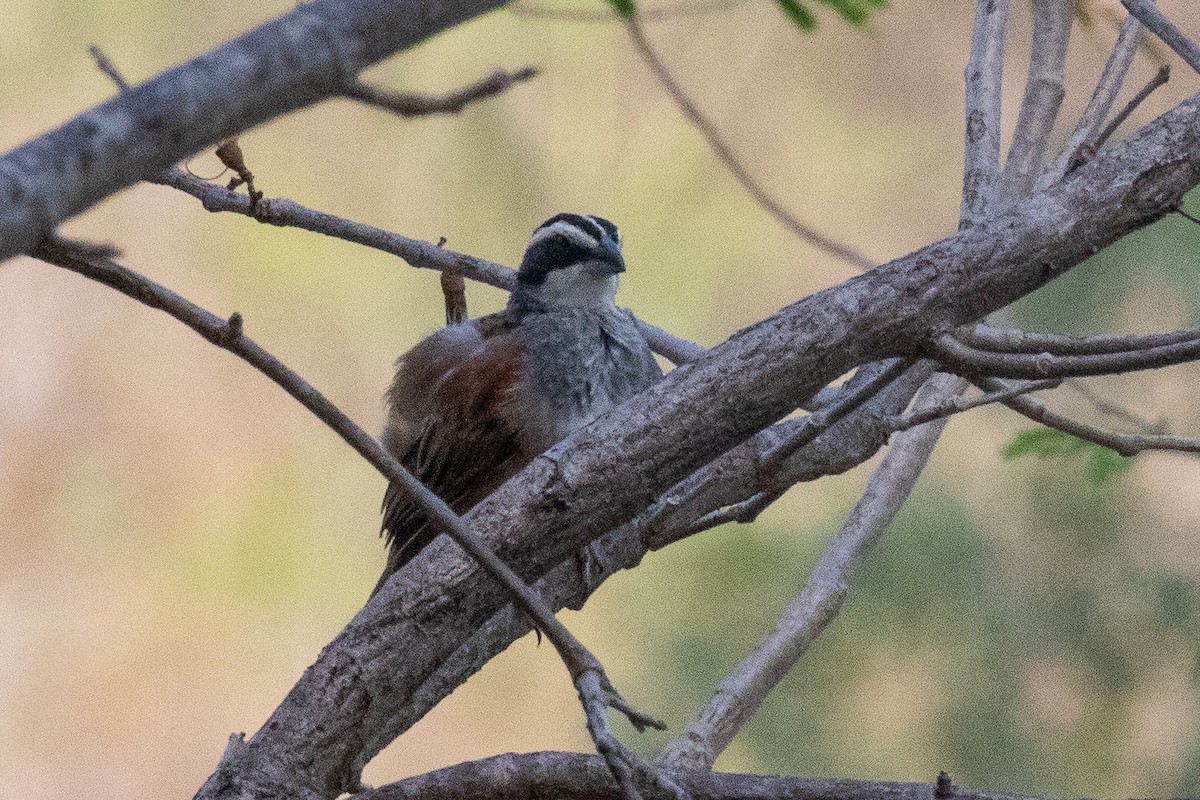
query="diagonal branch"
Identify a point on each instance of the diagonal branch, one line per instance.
(595, 690)
(303, 57)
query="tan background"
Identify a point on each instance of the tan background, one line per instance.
(178, 538)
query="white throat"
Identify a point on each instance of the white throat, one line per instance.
(577, 286)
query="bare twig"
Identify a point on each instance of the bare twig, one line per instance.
(965, 360)
(958, 403)
(1112, 77)
(595, 690)
(413, 104)
(1043, 95)
(423, 255)
(773, 473)
(741, 693)
(981, 140)
(1126, 444)
(1013, 340)
(1106, 406)
(1154, 20)
(107, 67)
(725, 155)
(1160, 78)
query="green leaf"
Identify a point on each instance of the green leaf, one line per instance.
(800, 15)
(1104, 464)
(849, 10)
(625, 8)
(1100, 463)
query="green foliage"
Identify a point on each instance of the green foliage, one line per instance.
(625, 8)
(1101, 464)
(856, 12)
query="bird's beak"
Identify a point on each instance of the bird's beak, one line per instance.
(612, 256)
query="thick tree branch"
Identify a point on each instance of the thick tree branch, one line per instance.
(605, 474)
(575, 776)
(288, 63)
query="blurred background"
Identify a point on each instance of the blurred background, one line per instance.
(178, 538)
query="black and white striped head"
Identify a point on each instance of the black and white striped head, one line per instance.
(572, 261)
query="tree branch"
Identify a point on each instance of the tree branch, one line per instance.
(296, 60)
(1154, 20)
(413, 104)
(968, 361)
(575, 776)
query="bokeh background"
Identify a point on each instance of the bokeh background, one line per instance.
(178, 538)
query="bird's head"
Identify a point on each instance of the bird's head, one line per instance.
(572, 261)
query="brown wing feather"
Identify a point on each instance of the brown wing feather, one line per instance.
(456, 432)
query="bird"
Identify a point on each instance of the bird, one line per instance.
(474, 402)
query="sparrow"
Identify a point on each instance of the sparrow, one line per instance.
(476, 401)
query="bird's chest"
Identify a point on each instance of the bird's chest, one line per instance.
(574, 368)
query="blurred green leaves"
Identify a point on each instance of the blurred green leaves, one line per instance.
(1100, 463)
(856, 12)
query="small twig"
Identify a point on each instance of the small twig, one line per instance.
(1160, 78)
(819, 421)
(1014, 340)
(1105, 406)
(411, 104)
(107, 67)
(230, 154)
(454, 292)
(1154, 20)
(1126, 444)
(725, 155)
(586, 671)
(958, 403)
(1112, 77)
(962, 359)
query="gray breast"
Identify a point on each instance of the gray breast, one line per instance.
(576, 365)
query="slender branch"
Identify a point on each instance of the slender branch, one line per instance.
(725, 155)
(420, 254)
(1126, 444)
(1112, 77)
(958, 403)
(741, 694)
(1013, 340)
(1154, 20)
(966, 360)
(595, 690)
(1105, 406)
(1160, 78)
(1043, 95)
(981, 139)
(412, 104)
